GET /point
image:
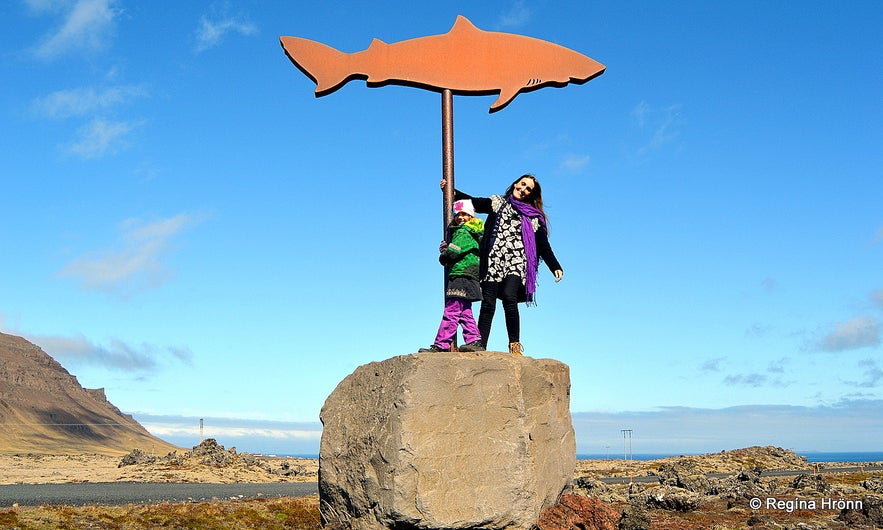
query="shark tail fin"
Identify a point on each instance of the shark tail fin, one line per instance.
(328, 67)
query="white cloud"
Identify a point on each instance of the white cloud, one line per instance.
(77, 350)
(769, 284)
(712, 365)
(575, 163)
(873, 375)
(758, 330)
(117, 355)
(850, 425)
(640, 112)
(663, 126)
(517, 16)
(136, 263)
(84, 101)
(753, 379)
(877, 298)
(43, 6)
(778, 366)
(226, 432)
(100, 137)
(211, 32)
(256, 436)
(86, 26)
(859, 332)
(772, 376)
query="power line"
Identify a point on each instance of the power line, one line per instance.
(72, 424)
(626, 435)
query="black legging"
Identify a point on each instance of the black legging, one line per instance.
(507, 291)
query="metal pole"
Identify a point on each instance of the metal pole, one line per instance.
(624, 452)
(448, 173)
(631, 454)
(447, 157)
(627, 435)
(626, 444)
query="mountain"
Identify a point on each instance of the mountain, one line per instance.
(43, 409)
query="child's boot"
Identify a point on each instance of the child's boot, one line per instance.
(435, 348)
(515, 348)
(476, 345)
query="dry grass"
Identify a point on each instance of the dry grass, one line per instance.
(279, 513)
(851, 479)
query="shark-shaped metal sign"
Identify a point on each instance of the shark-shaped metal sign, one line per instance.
(466, 61)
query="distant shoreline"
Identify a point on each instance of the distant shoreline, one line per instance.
(811, 456)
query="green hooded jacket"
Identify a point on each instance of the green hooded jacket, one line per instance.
(462, 252)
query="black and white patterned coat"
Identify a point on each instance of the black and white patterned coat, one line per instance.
(502, 249)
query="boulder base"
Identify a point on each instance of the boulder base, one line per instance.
(446, 440)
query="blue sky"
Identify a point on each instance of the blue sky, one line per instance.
(185, 224)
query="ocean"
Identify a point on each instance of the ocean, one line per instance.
(843, 457)
(811, 456)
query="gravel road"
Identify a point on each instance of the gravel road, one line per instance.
(117, 493)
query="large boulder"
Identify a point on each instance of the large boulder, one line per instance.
(446, 440)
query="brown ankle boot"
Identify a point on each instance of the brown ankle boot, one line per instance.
(515, 348)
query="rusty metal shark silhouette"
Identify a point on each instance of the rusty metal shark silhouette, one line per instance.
(466, 60)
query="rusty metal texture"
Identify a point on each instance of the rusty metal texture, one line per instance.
(448, 175)
(466, 61)
(448, 156)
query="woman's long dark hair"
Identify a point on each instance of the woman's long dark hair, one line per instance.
(536, 195)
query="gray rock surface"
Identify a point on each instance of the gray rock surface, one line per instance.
(446, 440)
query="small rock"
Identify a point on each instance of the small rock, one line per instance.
(869, 515)
(137, 456)
(683, 474)
(816, 483)
(672, 498)
(872, 484)
(575, 512)
(594, 488)
(635, 517)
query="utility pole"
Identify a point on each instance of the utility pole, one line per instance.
(200, 430)
(626, 444)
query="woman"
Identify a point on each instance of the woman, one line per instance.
(516, 238)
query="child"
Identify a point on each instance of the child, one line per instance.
(462, 286)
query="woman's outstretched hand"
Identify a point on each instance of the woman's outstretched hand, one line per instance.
(559, 275)
(443, 183)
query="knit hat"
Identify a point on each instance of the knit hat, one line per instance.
(464, 206)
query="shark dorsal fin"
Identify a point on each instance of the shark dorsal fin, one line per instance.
(463, 24)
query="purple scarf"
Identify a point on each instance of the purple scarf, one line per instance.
(528, 212)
